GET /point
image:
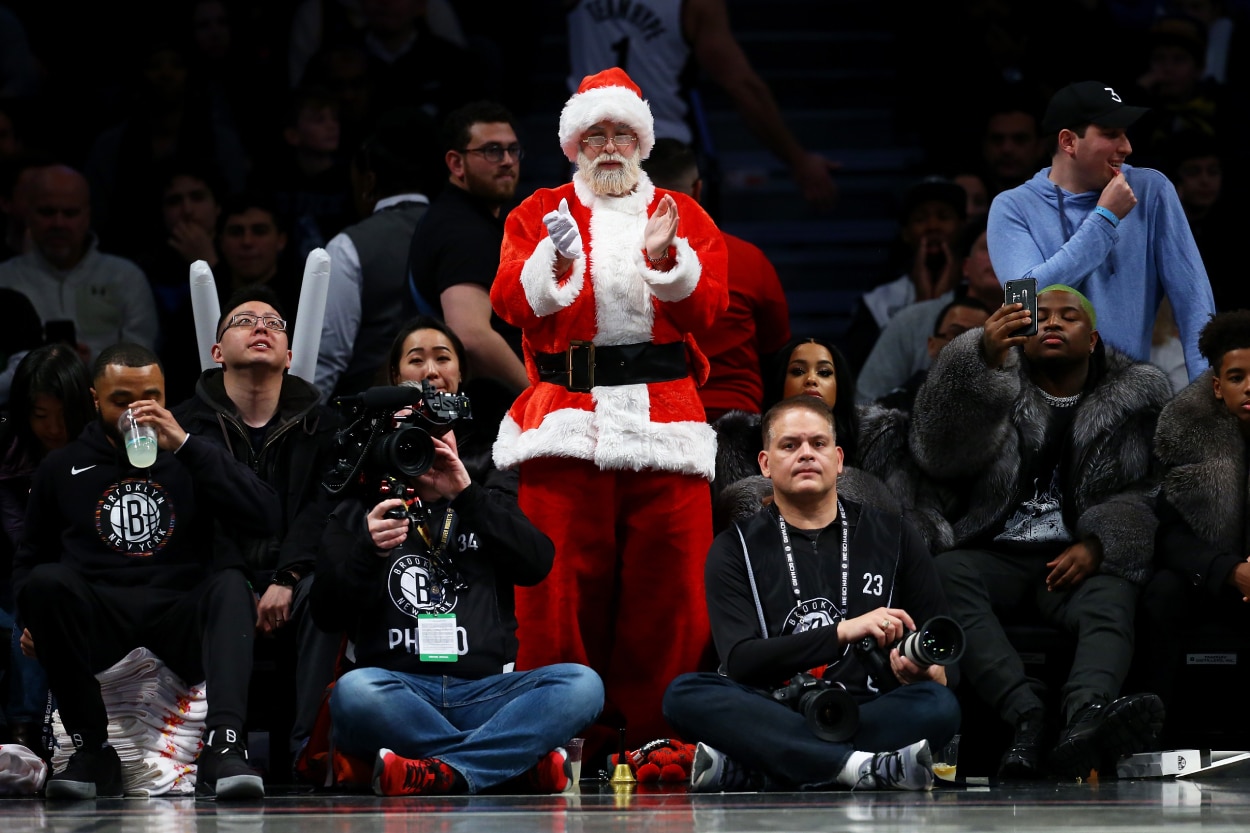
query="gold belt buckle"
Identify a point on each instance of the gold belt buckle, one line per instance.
(574, 346)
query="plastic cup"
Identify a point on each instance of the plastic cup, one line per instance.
(140, 440)
(574, 748)
(946, 761)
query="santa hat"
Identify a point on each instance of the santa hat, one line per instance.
(606, 96)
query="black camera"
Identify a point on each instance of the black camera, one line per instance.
(375, 444)
(939, 641)
(830, 711)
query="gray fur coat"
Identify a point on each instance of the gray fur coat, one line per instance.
(973, 426)
(1200, 447)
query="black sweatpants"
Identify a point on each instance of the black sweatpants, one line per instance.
(81, 628)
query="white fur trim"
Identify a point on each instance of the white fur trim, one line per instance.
(544, 293)
(677, 283)
(564, 433)
(616, 104)
(629, 440)
(624, 305)
(615, 436)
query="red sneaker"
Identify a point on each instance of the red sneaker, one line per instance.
(396, 775)
(552, 774)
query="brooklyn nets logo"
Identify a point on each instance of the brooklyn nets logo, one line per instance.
(134, 517)
(809, 615)
(415, 587)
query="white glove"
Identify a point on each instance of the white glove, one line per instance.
(563, 232)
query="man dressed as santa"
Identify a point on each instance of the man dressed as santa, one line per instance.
(612, 280)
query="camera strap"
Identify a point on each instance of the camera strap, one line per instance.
(794, 573)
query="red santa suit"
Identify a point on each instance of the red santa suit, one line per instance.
(616, 469)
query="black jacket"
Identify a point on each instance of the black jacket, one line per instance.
(298, 449)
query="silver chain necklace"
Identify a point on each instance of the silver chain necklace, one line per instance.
(1060, 401)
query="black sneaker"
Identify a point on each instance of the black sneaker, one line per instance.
(90, 773)
(222, 770)
(1023, 759)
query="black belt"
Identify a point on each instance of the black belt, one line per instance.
(586, 365)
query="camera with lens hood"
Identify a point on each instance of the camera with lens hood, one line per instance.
(374, 445)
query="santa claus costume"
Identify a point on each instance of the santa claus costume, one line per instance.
(614, 453)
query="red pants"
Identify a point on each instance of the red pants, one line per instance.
(625, 595)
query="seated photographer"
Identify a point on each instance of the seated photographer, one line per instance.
(1201, 443)
(814, 582)
(273, 423)
(422, 580)
(1047, 508)
(118, 553)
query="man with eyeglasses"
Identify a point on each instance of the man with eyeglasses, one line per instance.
(273, 423)
(612, 281)
(455, 248)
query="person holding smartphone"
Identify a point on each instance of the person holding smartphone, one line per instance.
(1046, 511)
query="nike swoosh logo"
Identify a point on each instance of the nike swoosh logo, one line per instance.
(76, 470)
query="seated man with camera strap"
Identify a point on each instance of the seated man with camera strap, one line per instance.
(800, 585)
(422, 580)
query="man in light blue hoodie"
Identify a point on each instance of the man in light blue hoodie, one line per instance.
(1116, 233)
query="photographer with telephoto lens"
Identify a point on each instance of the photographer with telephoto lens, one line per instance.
(791, 591)
(418, 566)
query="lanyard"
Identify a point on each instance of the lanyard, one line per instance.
(794, 574)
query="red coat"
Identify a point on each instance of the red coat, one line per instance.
(660, 425)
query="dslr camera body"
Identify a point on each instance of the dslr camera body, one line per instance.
(829, 709)
(376, 446)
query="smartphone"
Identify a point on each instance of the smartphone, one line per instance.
(1023, 291)
(60, 331)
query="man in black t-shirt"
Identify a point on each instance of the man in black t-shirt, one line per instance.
(791, 590)
(1045, 507)
(455, 248)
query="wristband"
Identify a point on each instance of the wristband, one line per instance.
(655, 261)
(1108, 215)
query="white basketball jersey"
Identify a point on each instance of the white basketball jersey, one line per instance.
(644, 38)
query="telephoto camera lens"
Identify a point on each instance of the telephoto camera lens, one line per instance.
(940, 641)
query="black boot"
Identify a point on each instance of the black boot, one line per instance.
(1023, 759)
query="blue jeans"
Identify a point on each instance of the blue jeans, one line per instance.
(488, 730)
(753, 729)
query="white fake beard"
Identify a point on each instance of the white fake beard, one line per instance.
(612, 182)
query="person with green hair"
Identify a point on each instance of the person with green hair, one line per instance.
(1046, 510)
